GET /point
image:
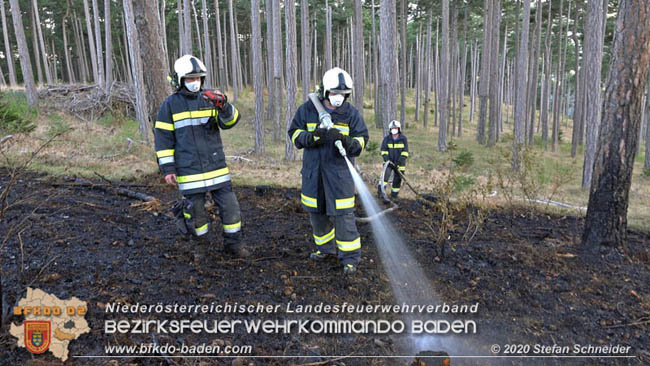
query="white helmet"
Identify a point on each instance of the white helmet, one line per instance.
(337, 80)
(189, 66)
(394, 124)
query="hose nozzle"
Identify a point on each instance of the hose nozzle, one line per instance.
(339, 145)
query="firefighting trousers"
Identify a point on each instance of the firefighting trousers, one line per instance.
(397, 179)
(229, 213)
(340, 230)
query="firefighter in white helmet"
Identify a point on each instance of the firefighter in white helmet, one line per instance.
(395, 148)
(190, 152)
(327, 185)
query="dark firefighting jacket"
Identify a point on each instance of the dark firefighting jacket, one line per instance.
(395, 150)
(327, 185)
(188, 142)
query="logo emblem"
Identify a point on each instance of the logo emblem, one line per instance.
(37, 335)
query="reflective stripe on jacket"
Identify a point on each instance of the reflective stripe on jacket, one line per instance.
(188, 142)
(324, 164)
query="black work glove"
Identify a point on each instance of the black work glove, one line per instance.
(321, 133)
(334, 134)
(315, 140)
(346, 140)
(217, 98)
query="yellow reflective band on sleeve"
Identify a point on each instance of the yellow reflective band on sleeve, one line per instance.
(234, 117)
(402, 168)
(202, 230)
(348, 246)
(405, 153)
(395, 189)
(202, 176)
(345, 203)
(308, 201)
(320, 240)
(232, 228)
(311, 127)
(194, 114)
(345, 130)
(361, 140)
(186, 215)
(384, 152)
(395, 146)
(295, 135)
(164, 126)
(163, 153)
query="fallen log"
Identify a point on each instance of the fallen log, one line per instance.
(118, 190)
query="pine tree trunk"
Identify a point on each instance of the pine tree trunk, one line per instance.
(291, 74)
(387, 65)
(483, 87)
(304, 48)
(8, 53)
(444, 79)
(522, 78)
(234, 74)
(141, 106)
(43, 51)
(23, 52)
(207, 53)
(187, 29)
(547, 79)
(181, 27)
(91, 43)
(154, 75)
(198, 32)
(270, 50)
(418, 71)
(592, 66)
(36, 49)
(534, 68)
(427, 73)
(328, 37)
(606, 221)
(258, 76)
(557, 94)
(359, 58)
(109, 45)
(277, 72)
(402, 79)
(98, 44)
(495, 85)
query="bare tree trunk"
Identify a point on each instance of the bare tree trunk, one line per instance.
(402, 79)
(463, 68)
(23, 52)
(81, 49)
(187, 29)
(359, 60)
(646, 164)
(234, 73)
(418, 71)
(376, 82)
(474, 67)
(277, 71)
(485, 70)
(8, 53)
(198, 32)
(592, 66)
(270, 50)
(127, 50)
(163, 26)
(444, 79)
(291, 77)
(328, 36)
(557, 94)
(258, 75)
(98, 44)
(48, 75)
(547, 79)
(304, 48)
(109, 45)
(91, 44)
(522, 78)
(181, 28)
(141, 107)
(387, 65)
(534, 67)
(68, 61)
(153, 78)
(495, 82)
(606, 221)
(36, 48)
(427, 72)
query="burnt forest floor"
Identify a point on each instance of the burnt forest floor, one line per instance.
(526, 270)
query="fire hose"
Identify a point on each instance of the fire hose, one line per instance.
(383, 190)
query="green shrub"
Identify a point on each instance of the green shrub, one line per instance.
(464, 160)
(372, 146)
(15, 115)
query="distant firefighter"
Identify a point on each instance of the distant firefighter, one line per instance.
(394, 148)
